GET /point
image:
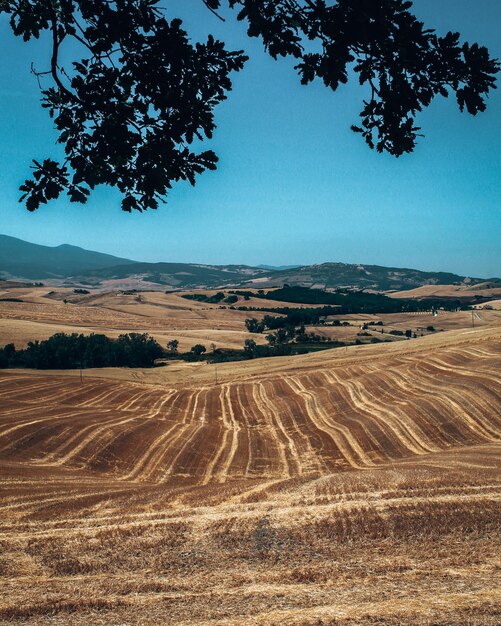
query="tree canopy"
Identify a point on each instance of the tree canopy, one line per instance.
(62, 351)
(133, 107)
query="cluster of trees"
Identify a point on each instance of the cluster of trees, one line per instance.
(255, 326)
(194, 354)
(288, 330)
(62, 351)
(214, 299)
(346, 302)
(252, 350)
(299, 335)
(288, 327)
(401, 333)
(295, 317)
(324, 303)
(288, 318)
(282, 344)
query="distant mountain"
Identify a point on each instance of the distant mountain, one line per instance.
(325, 276)
(277, 267)
(374, 277)
(20, 259)
(176, 275)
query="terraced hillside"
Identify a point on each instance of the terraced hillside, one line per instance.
(353, 487)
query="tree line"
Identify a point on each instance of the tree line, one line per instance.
(342, 302)
(62, 351)
(78, 351)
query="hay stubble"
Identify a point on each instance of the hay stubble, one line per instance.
(356, 488)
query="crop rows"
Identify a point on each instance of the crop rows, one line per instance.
(264, 427)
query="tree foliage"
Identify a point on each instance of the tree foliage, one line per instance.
(172, 346)
(198, 349)
(73, 351)
(130, 107)
(254, 326)
(404, 64)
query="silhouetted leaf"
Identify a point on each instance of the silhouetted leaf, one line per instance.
(142, 92)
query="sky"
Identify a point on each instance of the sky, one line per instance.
(294, 184)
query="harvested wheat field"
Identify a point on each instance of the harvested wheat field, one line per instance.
(485, 289)
(344, 487)
(40, 313)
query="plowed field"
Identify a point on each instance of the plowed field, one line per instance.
(337, 488)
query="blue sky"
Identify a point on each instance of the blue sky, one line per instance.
(294, 183)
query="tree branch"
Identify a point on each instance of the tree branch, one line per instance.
(53, 61)
(213, 11)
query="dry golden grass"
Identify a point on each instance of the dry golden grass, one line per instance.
(450, 291)
(494, 304)
(443, 320)
(169, 316)
(340, 488)
(415, 543)
(164, 316)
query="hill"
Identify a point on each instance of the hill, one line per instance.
(338, 489)
(478, 291)
(21, 259)
(174, 275)
(324, 412)
(34, 313)
(324, 276)
(373, 277)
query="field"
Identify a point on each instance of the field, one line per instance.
(352, 486)
(486, 289)
(41, 313)
(418, 323)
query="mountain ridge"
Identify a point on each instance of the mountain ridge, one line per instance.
(26, 260)
(22, 260)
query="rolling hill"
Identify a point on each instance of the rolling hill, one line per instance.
(175, 275)
(70, 264)
(324, 276)
(318, 415)
(339, 489)
(374, 277)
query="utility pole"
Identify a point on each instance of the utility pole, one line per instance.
(215, 372)
(472, 319)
